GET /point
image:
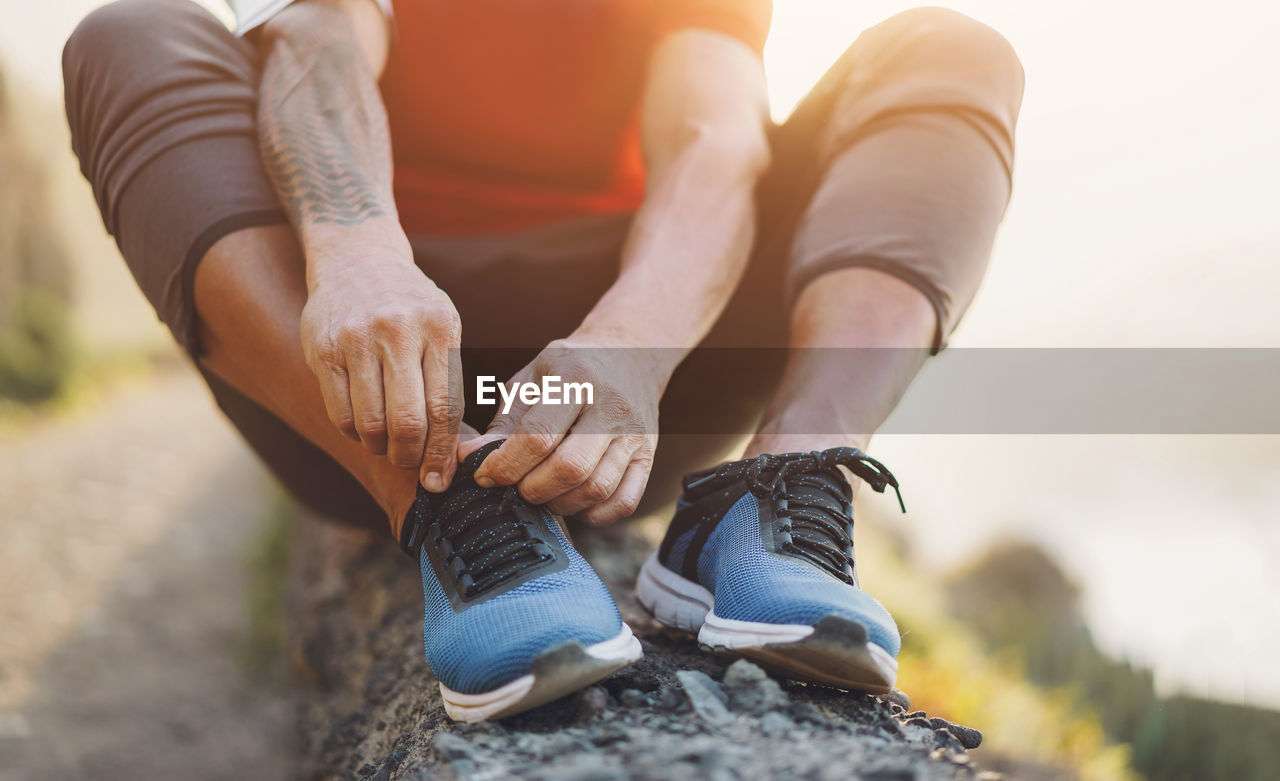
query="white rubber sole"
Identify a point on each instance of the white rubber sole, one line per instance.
(824, 657)
(556, 672)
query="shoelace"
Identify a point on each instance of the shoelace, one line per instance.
(484, 533)
(811, 500)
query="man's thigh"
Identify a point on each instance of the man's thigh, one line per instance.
(161, 102)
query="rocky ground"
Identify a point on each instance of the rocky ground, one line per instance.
(371, 709)
(128, 602)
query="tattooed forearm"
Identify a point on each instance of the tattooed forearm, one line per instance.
(322, 126)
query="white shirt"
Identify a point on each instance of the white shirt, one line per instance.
(252, 13)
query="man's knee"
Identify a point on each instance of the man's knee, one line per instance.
(950, 34)
(92, 40)
(128, 43)
(140, 77)
(108, 53)
(935, 42)
(98, 32)
(115, 31)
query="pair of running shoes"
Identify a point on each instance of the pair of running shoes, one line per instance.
(758, 562)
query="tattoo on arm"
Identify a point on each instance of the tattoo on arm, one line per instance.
(322, 127)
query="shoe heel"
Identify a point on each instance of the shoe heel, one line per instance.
(672, 599)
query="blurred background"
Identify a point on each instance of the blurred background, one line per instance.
(1100, 606)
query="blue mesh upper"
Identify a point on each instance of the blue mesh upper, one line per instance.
(675, 559)
(493, 642)
(752, 584)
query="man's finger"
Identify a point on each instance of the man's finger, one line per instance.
(535, 436)
(442, 376)
(406, 410)
(469, 445)
(335, 390)
(601, 484)
(626, 499)
(467, 437)
(572, 464)
(367, 403)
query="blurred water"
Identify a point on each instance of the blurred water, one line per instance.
(1173, 540)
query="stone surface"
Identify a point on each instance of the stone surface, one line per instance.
(749, 689)
(775, 723)
(705, 695)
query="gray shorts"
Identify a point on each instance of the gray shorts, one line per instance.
(898, 160)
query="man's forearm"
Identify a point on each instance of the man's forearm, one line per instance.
(381, 339)
(703, 127)
(324, 139)
(687, 250)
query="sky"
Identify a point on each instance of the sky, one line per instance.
(1144, 214)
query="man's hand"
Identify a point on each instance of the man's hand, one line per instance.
(383, 341)
(590, 460)
(703, 126)
(381, 338)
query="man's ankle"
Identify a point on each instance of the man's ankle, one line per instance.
(397, 499)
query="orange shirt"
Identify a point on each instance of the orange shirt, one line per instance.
(506, 114)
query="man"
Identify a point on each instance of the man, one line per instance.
(325, 210)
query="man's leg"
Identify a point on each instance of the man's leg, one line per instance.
(886, 189)
(858, 337)
(249, 292)
(915, 124)
(161, 101)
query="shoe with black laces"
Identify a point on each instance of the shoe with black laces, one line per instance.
(758, 561)
(515, 617)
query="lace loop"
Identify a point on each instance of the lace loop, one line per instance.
(485, 534)
(811, 500)
(766, 473)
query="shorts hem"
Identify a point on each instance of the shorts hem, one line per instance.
(814, 269)
(188, 334)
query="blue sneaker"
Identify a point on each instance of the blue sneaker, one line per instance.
(758, 561)
(515, 617)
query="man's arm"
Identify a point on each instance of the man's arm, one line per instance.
(379, 336)
(704, 117)
(323, 127)
(703, 128)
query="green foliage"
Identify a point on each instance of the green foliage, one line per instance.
(1030, 730)
(37, 353)
(1186, 738)
(1019, 602)
(268, 562)
(37, 347)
